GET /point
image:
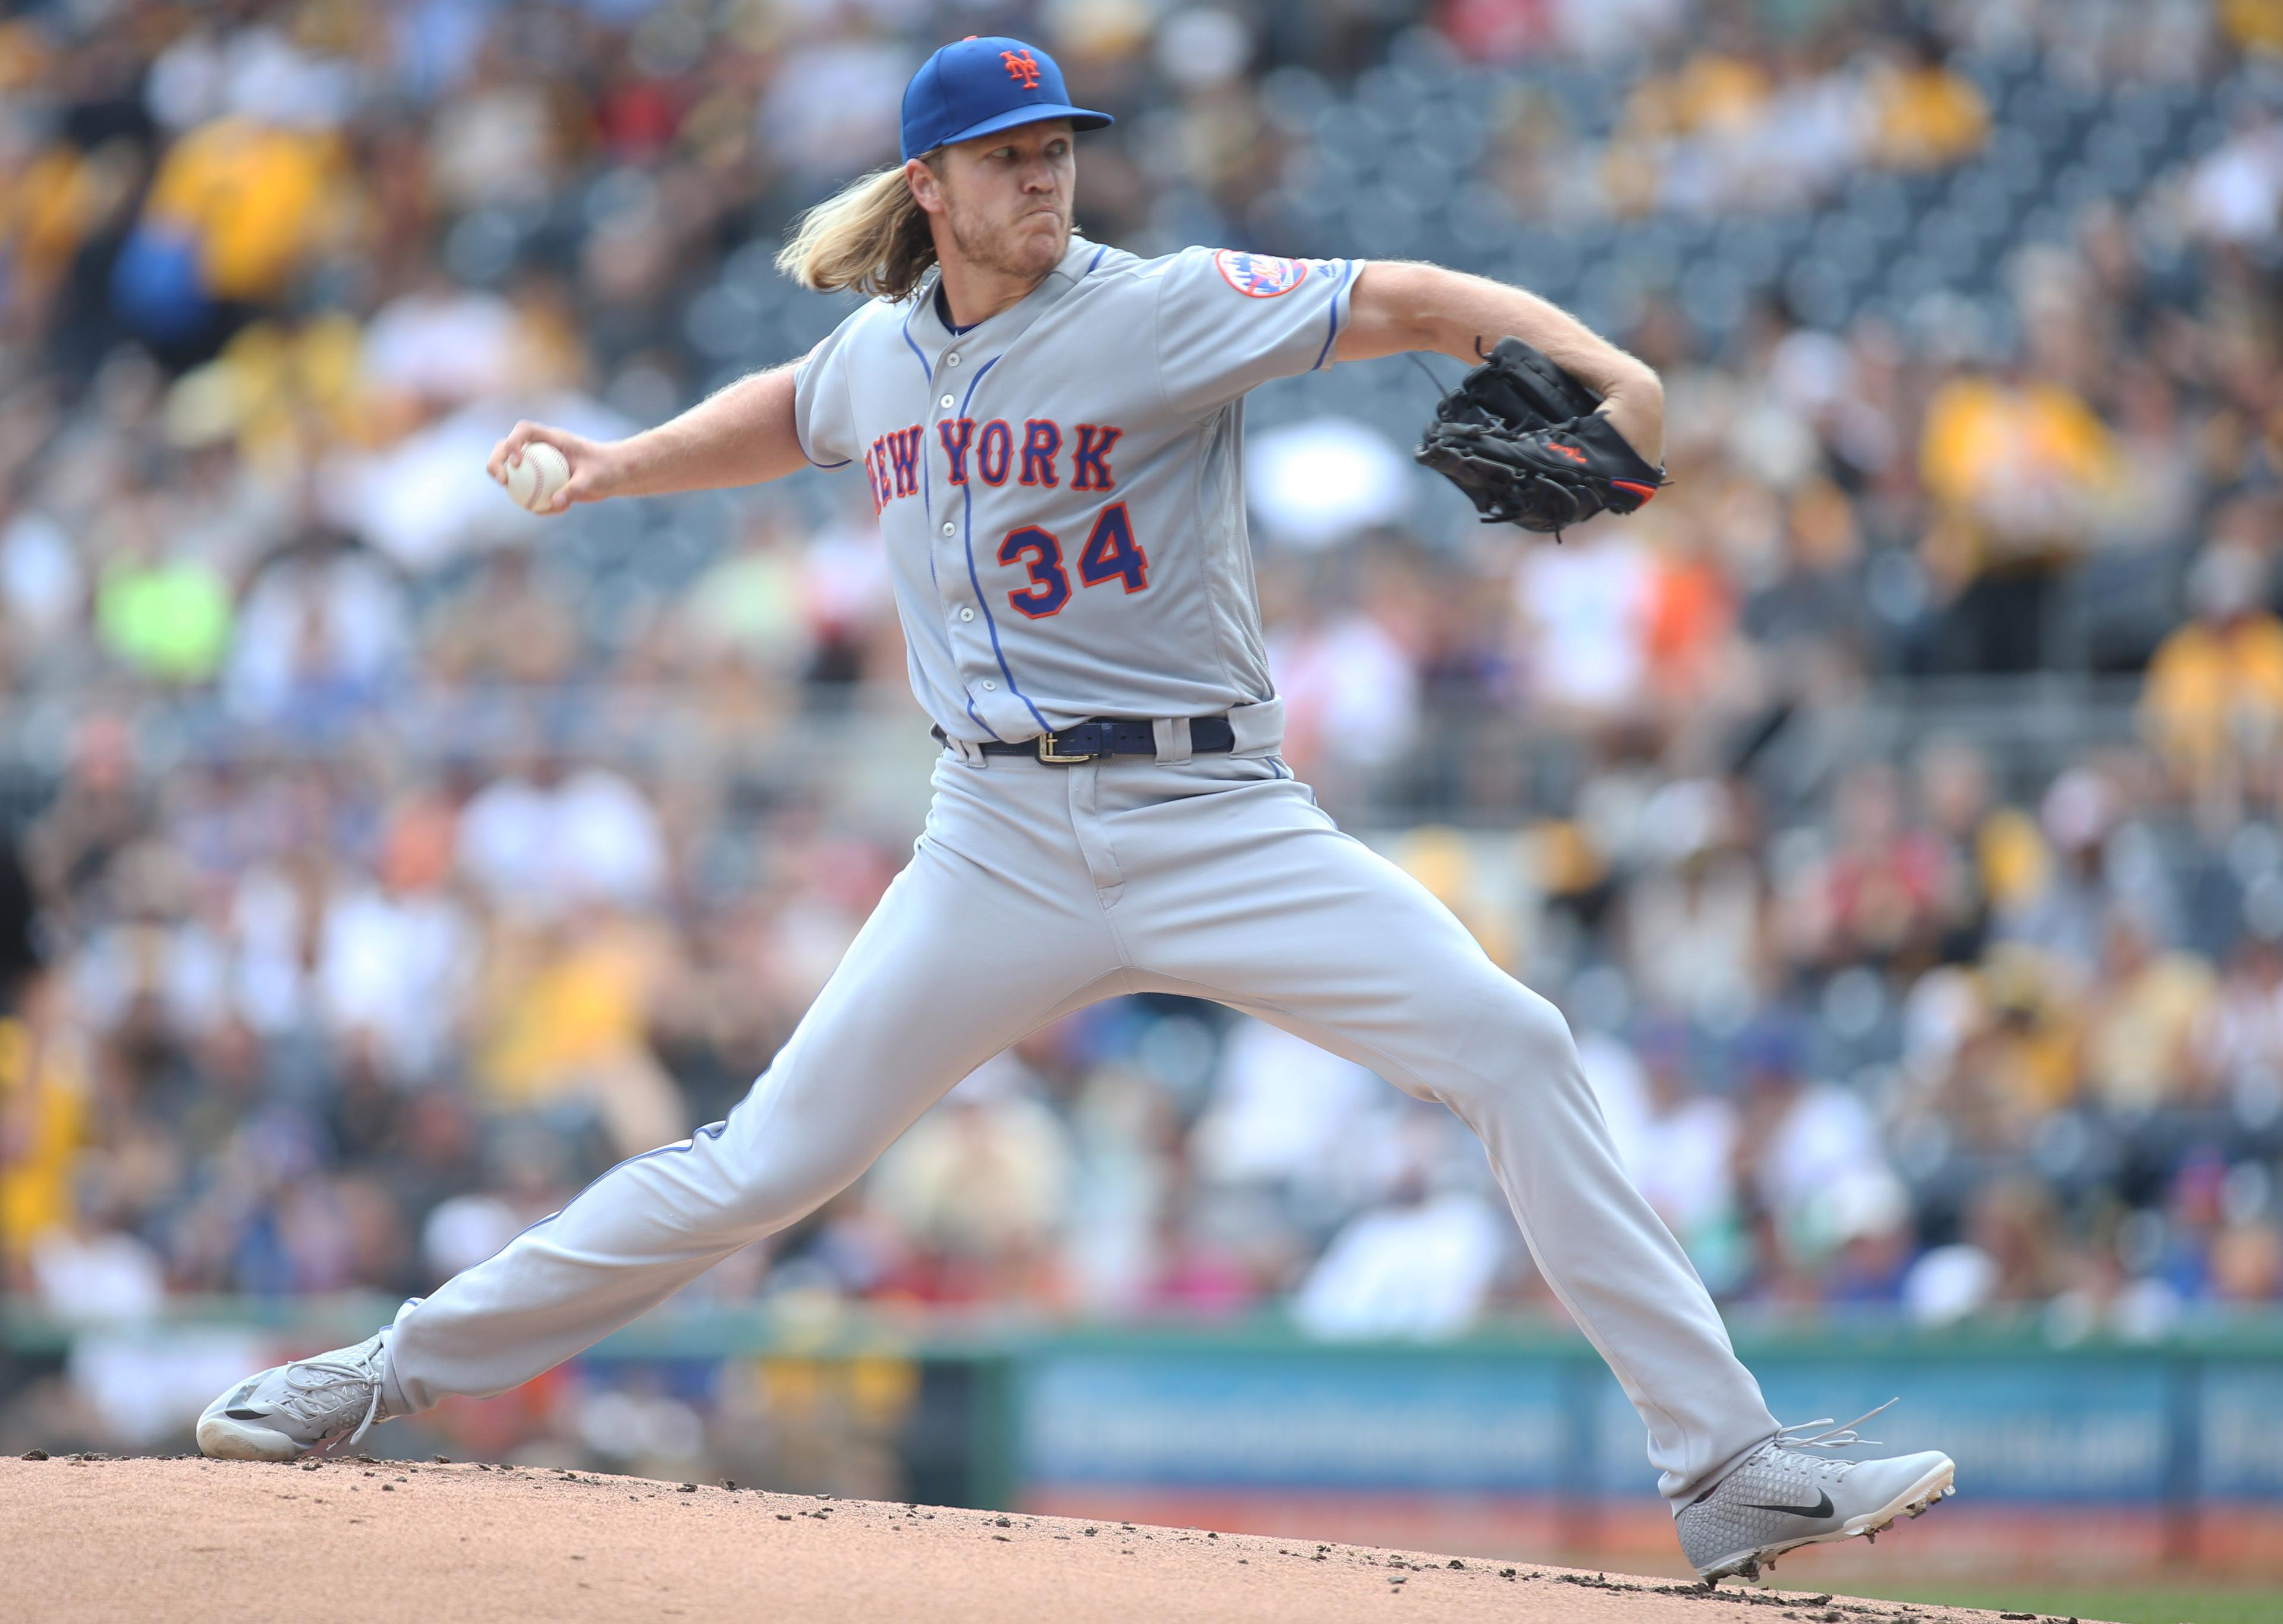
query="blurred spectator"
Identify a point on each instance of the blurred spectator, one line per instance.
(324, 631)
(1695, 917)
(1954, 793)
(1350, 694)
(2239, 1037)
(1325, 480)
(2053, 889)
(2213, 705)
(1679, 1145)
(1418, 1268)
(513, 625)
(2236, 191)
(46, 1108)
(1886, 882)
(561, 1021)
(2011, 1254)
(2013, 467)
(166, 616)
(1928, 113)
(438, 346)
(1816, 1163)
(1280, 1107)
(752, 604)
(2137, 1049)
(1585, 611)
(557, 840)
(398, 956)
(981, 1187)
(101, 806)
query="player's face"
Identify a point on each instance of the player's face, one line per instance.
(1007, 197)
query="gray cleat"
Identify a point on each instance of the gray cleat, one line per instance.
(292, 1409)
(1780, 1496)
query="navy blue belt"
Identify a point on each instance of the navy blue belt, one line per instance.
(1110, 735)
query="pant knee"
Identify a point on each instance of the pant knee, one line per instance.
(1518, 1046)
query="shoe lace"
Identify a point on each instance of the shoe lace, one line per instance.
(1837, 1438)
(371, 1414)
(304, 1396)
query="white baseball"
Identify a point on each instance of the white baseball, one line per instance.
(542, 471)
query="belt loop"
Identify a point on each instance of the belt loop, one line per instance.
(1172, 735)
(1256, 730)
(968, 751)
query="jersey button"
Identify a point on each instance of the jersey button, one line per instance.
(947, 527)
(967, 614)
(989, 686)
(945, 403)
(951, 360)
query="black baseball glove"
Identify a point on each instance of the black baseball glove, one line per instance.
(1523, 439)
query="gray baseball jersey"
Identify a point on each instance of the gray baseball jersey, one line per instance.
(1061, 487)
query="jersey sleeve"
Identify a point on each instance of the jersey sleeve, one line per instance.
(1229, 321)
(823, 416)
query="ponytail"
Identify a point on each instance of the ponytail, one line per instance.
(872, 237)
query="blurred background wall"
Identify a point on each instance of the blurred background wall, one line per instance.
(1892, 806)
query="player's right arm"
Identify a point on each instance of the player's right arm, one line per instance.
(741, 434)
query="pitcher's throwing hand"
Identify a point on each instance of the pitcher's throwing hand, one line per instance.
(586, 475)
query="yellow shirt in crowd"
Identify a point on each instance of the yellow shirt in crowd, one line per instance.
(2215, 690)
(2255, 25)
(254, 197)
(44, 1125)
(1986, 444)
(1929, 117)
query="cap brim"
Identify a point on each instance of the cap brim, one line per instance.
(1080, 118)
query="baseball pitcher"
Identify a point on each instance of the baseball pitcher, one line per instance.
(1052, 432)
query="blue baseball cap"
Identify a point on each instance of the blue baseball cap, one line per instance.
(982, 85)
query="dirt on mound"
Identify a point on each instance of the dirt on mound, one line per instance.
(367, 1542)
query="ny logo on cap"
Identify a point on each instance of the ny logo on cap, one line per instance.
(1022, 67)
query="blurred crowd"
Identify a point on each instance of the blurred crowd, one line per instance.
(364, 915)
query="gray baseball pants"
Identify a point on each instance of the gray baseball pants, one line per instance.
(1036, 890)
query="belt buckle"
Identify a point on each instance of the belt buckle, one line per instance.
(1047, 752)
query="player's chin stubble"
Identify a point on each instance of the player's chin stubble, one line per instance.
(1020, 249)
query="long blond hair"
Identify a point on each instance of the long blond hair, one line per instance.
(871, 235)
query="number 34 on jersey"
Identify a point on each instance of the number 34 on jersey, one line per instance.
(894, 465)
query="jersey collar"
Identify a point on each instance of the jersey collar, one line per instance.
(997, 330)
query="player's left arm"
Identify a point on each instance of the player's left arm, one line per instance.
(1398, 305)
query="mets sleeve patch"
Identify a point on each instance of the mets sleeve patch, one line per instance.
(1259, 276)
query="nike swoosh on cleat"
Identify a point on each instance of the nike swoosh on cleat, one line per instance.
(1821, 1508)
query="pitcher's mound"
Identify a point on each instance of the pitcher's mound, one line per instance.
(366, 1542)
